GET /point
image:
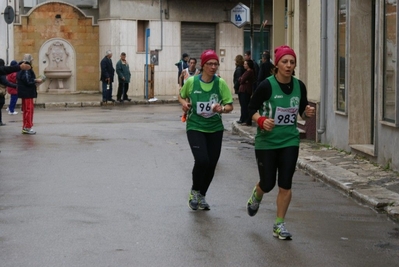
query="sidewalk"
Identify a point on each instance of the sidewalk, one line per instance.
(356, 177)
(47, 100)
(352, 175)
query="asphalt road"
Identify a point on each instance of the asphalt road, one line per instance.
(109, 186)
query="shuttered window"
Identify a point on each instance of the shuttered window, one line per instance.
(197, 37)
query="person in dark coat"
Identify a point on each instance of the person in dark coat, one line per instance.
(4, 70)
(4, 83)
(238, 72)
(181, 65)
(248, 56)
(27, 91)
(266, 68)
(245, 91)
(123, 72)
(107, 76)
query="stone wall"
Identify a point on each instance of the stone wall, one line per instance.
(61, 20)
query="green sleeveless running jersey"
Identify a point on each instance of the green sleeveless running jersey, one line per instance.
(201, 117)
(283, 109)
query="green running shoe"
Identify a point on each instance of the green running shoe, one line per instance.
(253, 204)
(193, 199)
(281, 232)
(202, 203)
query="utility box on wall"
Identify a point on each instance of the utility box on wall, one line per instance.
(154, 57)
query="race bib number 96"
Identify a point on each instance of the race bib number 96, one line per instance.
(204, 109)
(285, 116)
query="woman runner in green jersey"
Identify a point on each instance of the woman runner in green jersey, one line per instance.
(209, 97)
(275, 106)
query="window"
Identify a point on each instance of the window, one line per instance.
(390, 61)
(257, 47)
(142, 25)
(341, 57)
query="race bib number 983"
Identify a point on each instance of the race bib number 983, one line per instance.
(285, 116)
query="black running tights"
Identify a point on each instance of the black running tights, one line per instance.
(206, 149)
(281, 160)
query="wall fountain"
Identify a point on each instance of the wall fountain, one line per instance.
(57, 71)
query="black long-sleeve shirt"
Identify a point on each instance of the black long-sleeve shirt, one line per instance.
(264, 92)
(4, 81)
(4, 70)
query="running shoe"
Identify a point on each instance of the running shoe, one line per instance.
(184, 117)
(28, 131)
(253, 204)
(193, 199)
(202, 205)
(281, 232)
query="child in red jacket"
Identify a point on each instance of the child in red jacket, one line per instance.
(12, 78)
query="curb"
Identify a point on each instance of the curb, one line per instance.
(100, 103)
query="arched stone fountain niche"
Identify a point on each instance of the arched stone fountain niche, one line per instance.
(58, 64)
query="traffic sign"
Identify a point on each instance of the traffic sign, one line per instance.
(240, 15)
(9, 14)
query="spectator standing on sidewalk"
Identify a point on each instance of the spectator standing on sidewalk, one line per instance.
(275, 106)
(4, 83)
(209, 97)
(245, 90)
(123, 72)
(107, 76)
(12, 90)
(181, 65)
(247, 56)
(238, 72)
(4, 70)
(265, 68)
(27, 91)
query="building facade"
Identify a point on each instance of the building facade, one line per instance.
(175, 27)
(363, 57)
(348, 60)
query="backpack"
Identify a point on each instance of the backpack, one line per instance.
(3, 90)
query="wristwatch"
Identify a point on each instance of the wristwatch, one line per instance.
(223, 109)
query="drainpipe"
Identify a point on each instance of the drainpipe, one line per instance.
(161, 18)
(290, 13)
(8, 44)
(323, 75)
(262, 12)
(251, 8)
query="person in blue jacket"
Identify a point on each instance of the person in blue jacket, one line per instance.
(107, 76)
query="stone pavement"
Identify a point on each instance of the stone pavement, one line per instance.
(47, 100)
(356, 177)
